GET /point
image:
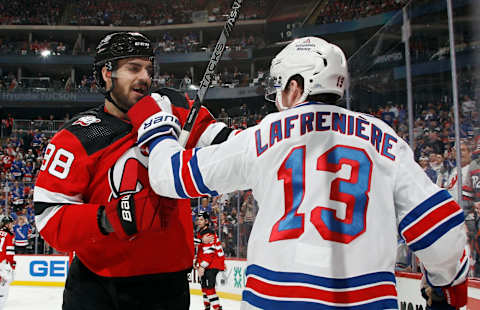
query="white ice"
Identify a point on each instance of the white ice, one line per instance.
(50, 298)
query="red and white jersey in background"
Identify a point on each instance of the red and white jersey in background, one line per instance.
(334, 189)
(210, 255)
(7, 248)
(93, 159)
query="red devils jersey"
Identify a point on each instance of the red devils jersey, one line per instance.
(94, 159)
(7, 250)
(210, 255)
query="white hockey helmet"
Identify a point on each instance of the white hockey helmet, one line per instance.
(322, 65)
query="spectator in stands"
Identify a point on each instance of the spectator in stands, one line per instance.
(468, 106)
(424, 163)
(22, 232)
(204, 206)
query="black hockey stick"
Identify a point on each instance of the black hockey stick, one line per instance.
(209, 72)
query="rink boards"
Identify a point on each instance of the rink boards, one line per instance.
(42, 270)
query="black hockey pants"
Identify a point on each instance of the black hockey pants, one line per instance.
(84, 290)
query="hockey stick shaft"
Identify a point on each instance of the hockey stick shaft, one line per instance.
(210, 71)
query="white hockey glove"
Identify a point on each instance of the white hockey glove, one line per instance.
(158, 125)
(151, 117)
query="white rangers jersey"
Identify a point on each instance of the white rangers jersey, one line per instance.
(334, 188)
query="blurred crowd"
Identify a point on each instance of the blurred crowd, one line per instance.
(340, 11)
(121, 12)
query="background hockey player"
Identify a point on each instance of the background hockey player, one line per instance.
(92, 196)
(210, 260)
(7, 253)
(334, 188)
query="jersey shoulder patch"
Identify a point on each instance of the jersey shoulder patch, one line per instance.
(96, 129)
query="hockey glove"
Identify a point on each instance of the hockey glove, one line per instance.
(445, 298)
(129, 215)
(152, 119)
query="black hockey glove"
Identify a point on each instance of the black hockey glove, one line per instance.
(130, 214)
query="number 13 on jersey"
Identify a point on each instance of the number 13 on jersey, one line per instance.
(353, 192)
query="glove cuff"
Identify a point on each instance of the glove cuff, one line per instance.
(457, 295)
(121, 215)
(159, 124)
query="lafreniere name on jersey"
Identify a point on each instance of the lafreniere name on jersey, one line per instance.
(304, 123)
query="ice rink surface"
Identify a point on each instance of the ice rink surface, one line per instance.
(50, 298)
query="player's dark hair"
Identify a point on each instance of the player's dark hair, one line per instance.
(325, 98)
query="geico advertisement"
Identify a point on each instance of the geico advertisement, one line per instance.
(232, 280)
(41, 268)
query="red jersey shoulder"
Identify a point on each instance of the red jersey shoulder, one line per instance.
(95, 129)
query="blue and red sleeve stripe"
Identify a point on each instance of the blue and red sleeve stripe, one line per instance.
(188, 179)
(430, 220)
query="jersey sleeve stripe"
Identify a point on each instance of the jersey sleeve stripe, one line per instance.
(43, 195)
(198, 176)
(176, 175)
(186, 175)
(437, 233)
(423, 208)
(428, 221)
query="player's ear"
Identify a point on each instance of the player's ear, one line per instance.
(107, 75)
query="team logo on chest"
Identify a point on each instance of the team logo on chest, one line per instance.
(129, 175)
(86, 120)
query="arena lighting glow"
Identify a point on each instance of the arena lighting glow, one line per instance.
(45, 53)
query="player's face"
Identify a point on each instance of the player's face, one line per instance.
(201, 222)
(466, 156)
(133, 78)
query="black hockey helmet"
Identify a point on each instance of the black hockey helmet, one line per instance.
(5, 221)
(116, 46)
(205, 215)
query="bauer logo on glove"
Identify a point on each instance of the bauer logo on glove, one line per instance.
(158, 125)
(163, 118)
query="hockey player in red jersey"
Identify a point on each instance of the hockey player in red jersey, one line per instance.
(7, 262)
(209, 262)
(92, 196)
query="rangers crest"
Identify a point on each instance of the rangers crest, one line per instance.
(86, 120)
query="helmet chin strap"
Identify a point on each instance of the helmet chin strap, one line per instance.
(108, 94)
(278, 101)
(304, 96)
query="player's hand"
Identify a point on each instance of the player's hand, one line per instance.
(207, 238)
(130, 214)
(445, 298)
(151, 117)
(201, 271)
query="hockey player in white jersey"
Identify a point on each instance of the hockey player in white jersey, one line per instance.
(334, 187)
